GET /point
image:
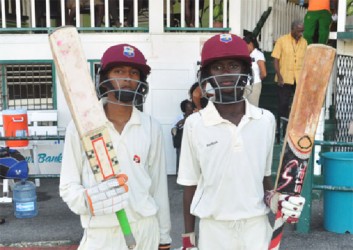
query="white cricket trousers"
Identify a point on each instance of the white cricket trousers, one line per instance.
(247, 234)
(146, 233)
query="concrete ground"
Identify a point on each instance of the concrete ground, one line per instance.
(56, 227)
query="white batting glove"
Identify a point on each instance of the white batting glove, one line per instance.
(108, 196)
(290, 206)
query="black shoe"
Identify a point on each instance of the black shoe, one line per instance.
(2, 221)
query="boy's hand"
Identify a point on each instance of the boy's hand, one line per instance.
(290, 206)
(108, 196)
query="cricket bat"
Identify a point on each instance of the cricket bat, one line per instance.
(302, 124)
(87, 113)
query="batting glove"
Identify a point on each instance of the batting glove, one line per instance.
(108, 196)
(290, 206)
(189, 242)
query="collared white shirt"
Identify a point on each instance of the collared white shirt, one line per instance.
(227, 162)
(141, 154)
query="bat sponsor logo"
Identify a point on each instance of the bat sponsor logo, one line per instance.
(299, 180)
(294, 169)
(286, 175)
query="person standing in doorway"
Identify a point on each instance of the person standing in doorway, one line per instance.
(288, 55)
(258, 67)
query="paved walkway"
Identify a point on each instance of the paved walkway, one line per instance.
(56, 227)
(70, 247)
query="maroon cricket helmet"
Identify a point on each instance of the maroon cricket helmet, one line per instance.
(124, 54)
(224, 46)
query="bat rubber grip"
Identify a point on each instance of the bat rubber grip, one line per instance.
(125, 227)
(277, 232)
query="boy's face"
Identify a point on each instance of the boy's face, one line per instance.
(226, 66)
(227, 79)
(125, 81)
(124, 72)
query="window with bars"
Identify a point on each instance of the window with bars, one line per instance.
(27, 86)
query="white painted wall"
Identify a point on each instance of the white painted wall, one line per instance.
(172, 57)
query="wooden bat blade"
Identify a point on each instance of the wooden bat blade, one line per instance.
(80, 94)
(304, 117)
(302, 124)
(75, 79)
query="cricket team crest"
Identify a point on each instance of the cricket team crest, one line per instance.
(225, 38)
(129, 51)
(137, 159)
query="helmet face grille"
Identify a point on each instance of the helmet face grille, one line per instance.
(226, 88)
(224, 46)
(117, 94)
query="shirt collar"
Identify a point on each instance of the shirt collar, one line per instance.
(211, 116)
(293, 39)
(135, 115)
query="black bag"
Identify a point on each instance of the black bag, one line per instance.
(13, 164)
(177, 137)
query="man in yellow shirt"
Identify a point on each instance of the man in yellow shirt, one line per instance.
(319, 15)
(288, 55)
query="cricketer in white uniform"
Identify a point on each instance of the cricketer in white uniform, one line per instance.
(140, 151)
(226, 155)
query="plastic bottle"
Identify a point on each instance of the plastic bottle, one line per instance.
(25, 199)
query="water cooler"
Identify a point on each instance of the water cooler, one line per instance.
(25, 199)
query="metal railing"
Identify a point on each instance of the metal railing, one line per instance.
(309, 186)
(108, 15)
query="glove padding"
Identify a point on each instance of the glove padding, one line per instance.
(290, 206)
(108, 196)
(189, 241)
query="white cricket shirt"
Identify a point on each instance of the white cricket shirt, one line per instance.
(141, 154)
(227, 162)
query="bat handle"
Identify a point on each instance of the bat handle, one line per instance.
(277, 232)
(125, 227)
